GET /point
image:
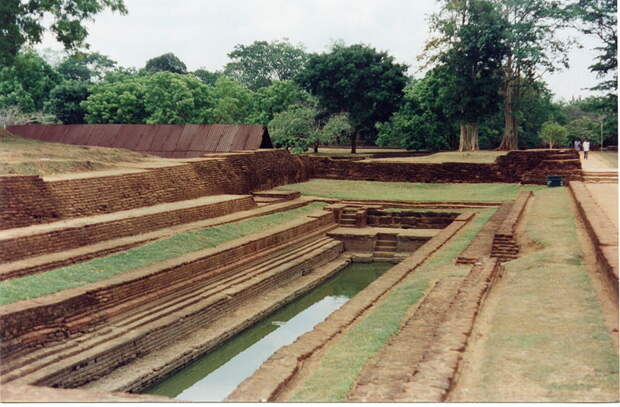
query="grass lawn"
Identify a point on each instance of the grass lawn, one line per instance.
(77, 275)
(343, 362)
(409, 191)
(476, 157)
(546, 340)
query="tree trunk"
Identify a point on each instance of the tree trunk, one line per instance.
(316, 147)
(469, 137)
(353, 142)
(510, 139)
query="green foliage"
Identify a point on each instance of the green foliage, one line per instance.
(117, 102)
(583, 128)
(258, 64)
(65, 101)
(294, 128)
(27, 82)
(166, 63)
(600, 18)
(207, 77)
(276, 98)
(36, 285)
(358, 80)
(421, 122)
(470, 66)
(25, 22)
(553, 133)
(337, 127)
(171, 98)
(229, 102)
(85, 66)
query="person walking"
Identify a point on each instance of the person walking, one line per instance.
(577, 145)
(586, 148)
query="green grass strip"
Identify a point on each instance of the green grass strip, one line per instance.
(410, 191)
(344, 361)
(36, 285)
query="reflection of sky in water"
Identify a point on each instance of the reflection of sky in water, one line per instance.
(216, 374)
(222, 381)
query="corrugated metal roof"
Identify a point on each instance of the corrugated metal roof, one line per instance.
(167, 140)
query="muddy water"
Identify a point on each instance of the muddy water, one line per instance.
(215, 375)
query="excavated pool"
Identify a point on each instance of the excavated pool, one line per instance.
(215, 375)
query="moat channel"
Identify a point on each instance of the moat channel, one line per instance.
(216, 374)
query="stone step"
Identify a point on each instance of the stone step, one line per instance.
(30, 371)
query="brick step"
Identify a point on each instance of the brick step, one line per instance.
(385, 247)
(276, 194)
(36, 240)
(30, 372)
(383, 254)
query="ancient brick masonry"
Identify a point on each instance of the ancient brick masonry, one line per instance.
(28, 200)
(516, 166)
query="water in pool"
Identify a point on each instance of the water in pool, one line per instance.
(215, 375)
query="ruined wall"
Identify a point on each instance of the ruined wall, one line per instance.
(27, 200)
(516, 166)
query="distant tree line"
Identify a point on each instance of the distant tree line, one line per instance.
(482, 86)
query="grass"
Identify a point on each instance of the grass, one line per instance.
(547, 339)
(344, 361)
(25, 156)
(409, 191)
(77, 275)
(478, 157)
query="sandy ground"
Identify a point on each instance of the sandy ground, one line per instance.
(606, 195)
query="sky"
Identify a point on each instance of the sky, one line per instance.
(202, 32)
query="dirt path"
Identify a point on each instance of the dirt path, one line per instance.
(605, 195)
(542, 334)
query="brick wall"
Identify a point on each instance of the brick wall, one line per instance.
(27, 200)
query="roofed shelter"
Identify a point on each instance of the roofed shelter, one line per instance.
(164, 140)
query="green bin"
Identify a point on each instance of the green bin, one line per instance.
(555, 181)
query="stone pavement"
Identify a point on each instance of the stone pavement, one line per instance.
(605, 195)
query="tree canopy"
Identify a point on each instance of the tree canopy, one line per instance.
(166, 63)
(258, 64)
(358, 80)
(24, 22)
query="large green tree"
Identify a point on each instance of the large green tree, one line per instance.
(171, 98)
(85, 66)
(166, 63)
(229, 102)
(258, 64)
(472, 34)
(358, 80)
(119, 101)
(27, 82)
(24, 22)
(276, 98)
(534, 47)
(65, 101)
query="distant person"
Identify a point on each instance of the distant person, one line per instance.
(577, 146)
(586, 148)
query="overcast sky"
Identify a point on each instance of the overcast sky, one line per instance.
(202, 32)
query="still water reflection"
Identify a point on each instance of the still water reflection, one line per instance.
(216, 374)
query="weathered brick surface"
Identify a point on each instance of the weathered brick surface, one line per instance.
(409, 219)
(516, 166)
(25, 323)
(27, 200)
(70, 238)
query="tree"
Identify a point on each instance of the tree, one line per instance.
(276, 98)
(471, 44)
(65, 101)
(27, 82)
(171, 98)
(421, 122)
(207, 77)
(599, 18)
(294, 128)
(116, 102)
(85, 67)
(166, 63)
(358, 80)
(24, 22)
(258, 64)
(534, 48)
(336, 127)
(553, 134)
(229, 102)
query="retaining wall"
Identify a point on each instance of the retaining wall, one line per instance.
(31, 200)
(55, 316)
(514, 167)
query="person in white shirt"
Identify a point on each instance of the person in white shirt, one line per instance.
(586, 148)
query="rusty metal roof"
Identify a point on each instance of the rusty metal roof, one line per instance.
(166, 140)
